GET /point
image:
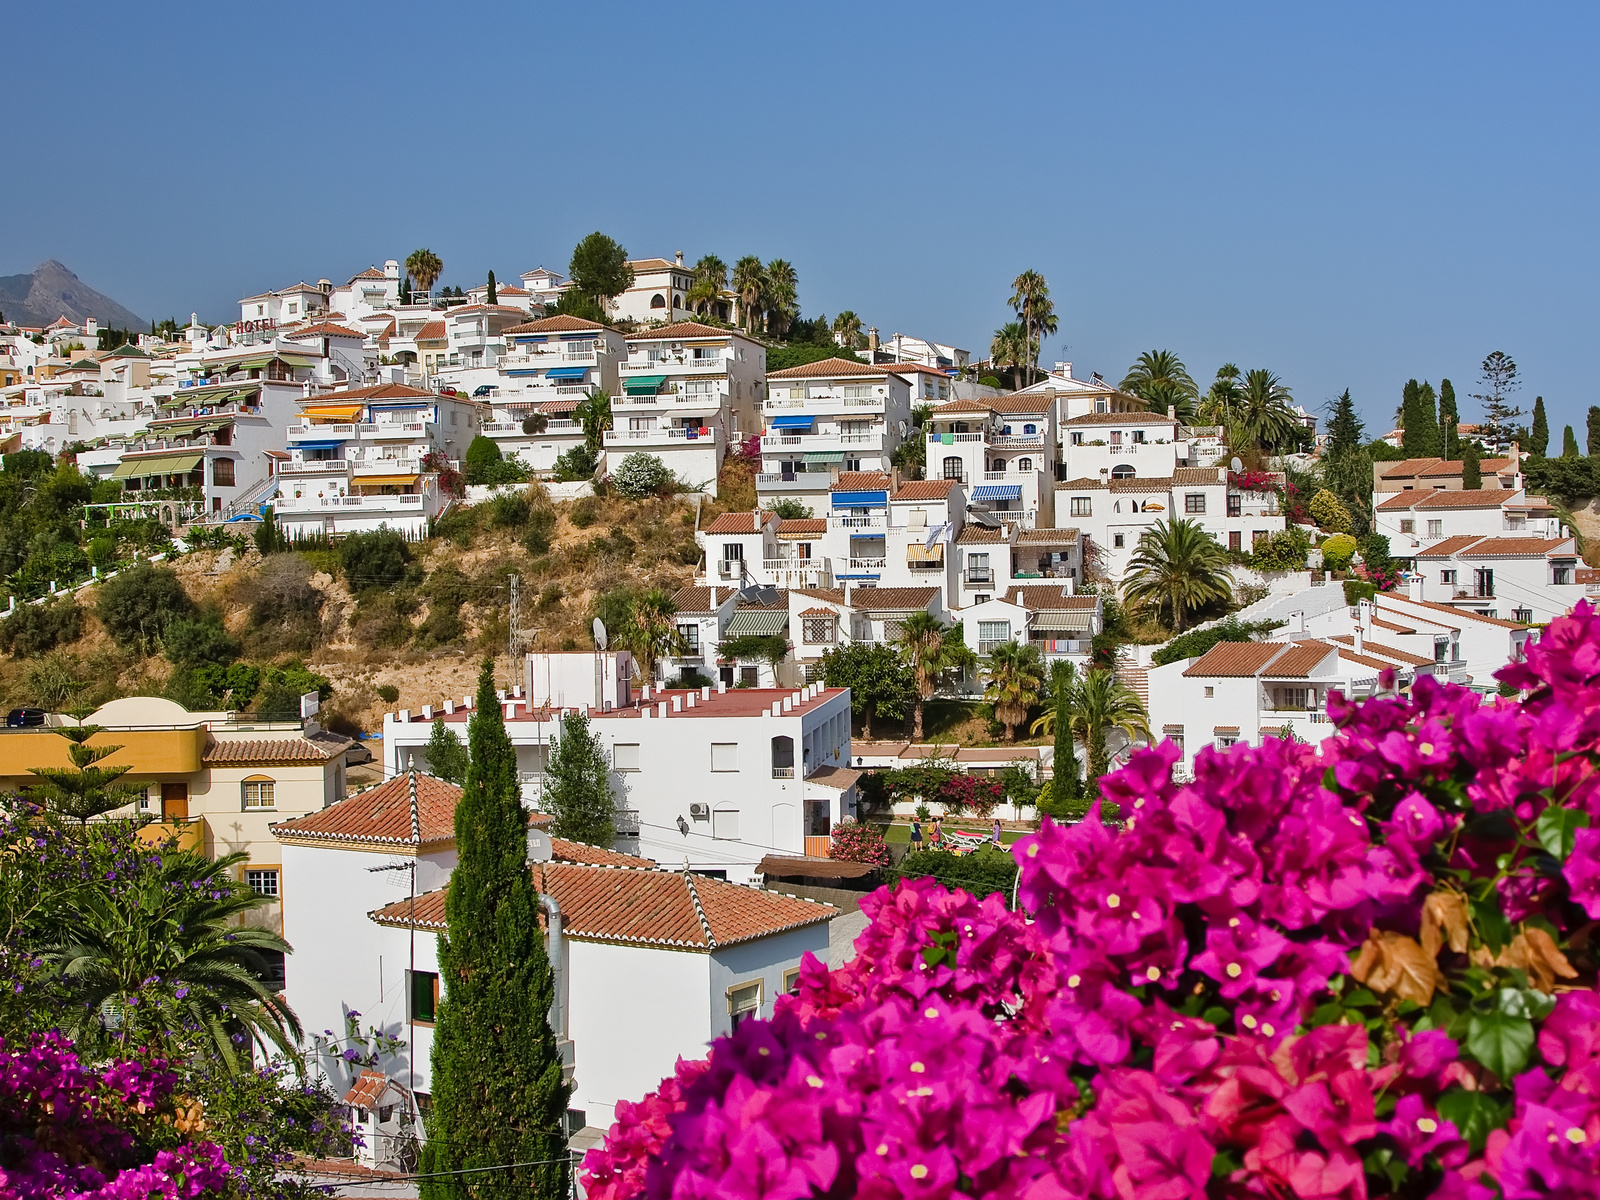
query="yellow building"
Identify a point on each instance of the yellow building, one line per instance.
(216, 779)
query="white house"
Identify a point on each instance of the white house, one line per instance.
(660, 289)
(1531, 580)
(1003, 450)
(826, 417)
(1414, 519)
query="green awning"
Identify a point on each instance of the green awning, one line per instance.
(643, 385)
(765, 622)
(824, 456)
(168, 464)
(192, 427)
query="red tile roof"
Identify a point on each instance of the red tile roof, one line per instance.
(1199, 476)
(1297, 661)
(1125, 418)
(799, 525)
(828, 368)
(1379, 649)
(327, 329)
(680, 330)
(697, 600)
(1050, 598)
(640, 907)
(925, 489)
(1521, 547)
(1230, 660)
(1451, 546)
(369, 273)
(1441, 498)
(383, 815)
(1017, 403)
(381, 391)
(595, 856)
(560, 323)
(860, 481)
(739, 522)
(1141, 485)
(239, 751)
(369, 1087)
(979, 535)
(893, 600)
(433, 331)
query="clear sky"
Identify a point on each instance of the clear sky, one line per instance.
(1348, 194)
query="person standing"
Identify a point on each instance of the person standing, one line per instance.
(916, 834)
(997, 831)
(938, 833)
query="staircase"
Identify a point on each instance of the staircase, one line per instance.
(248, 501)
(1135, 679)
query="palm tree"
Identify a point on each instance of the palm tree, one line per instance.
(1030, 297)
(593, 412)
(710, 278)
(1222, 397)
(930, 651)
(750, 283)
(205, 964)
(1104, 703)
(1156, 375)
(1016, 681)
(782, 296)
(425, 267)
(1177, 564)
(1263, 413)
(847, 330)
(652, 631)
(1010, 349)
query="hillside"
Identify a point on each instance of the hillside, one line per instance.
(52, 291)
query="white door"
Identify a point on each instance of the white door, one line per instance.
(785, 828)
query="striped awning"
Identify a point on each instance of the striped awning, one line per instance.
(997, 491)
(824, 456)
(385, 480)
(917, 552)
(333, 412)
(764, 622)
(1072, 621)
(167, 464)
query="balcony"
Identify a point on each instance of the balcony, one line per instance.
(388, 430)
(795, 572)
(410, 502)
(320, 432)
(783, 772)
(867, 564)
(799, 481)
(935, 439)
(875, 521)
(320, 466)
(1019, 441)
(997, 476)
(674, 366)
(670, 436)
(1056, 647)
(984, 575)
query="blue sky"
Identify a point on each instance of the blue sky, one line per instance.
(1350, 195)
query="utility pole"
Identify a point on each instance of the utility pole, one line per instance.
(514, 638)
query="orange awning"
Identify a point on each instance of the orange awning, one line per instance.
(386, 480)
(342, 412)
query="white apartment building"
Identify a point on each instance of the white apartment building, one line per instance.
(350, 362)
(1438, 474)
(559, 357)
(826, 417)
(688, 393)
(467, 353)
(703, 614)
(288, 306)
(1003, 450)
(903, 348)
(928, 385)
(371, 291)
(1414, 519)
(658, 293)
(1531, 580)
(1122, 445)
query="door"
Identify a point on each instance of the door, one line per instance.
(1234, 539)
(174, 801)
(783, 826)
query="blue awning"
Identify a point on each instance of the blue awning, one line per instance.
(997, 491)
(579, 337)
(395, 406)
(860, 499)
(793, 422)
(566, 372)
(320, 445)
(521, 373)
(524, 338)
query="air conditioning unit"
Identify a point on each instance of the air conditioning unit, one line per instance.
(700, 812)
(729, 567)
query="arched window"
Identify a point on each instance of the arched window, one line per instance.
(258, 795)
(1024, 464)
(1122, 471)
(677, 300)
(1006, 430)
(1030, 429)
(783, 757)
(998, 464)
(952, 468)
(658, 301)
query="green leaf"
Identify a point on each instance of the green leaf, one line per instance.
(1361, 998)
(1474, 1114)
(1501, 1042)
(1491, 922)
(1557, 827)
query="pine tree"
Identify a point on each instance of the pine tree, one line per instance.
(1471, 472)
(493, 297)
(1449, 421)
(1498, 380)
(1569, 443)
(1539, 434)
(1344, 426)
(579, 791)
(83, 791)
(1594, 430)
(447, 757)
(498, 1095)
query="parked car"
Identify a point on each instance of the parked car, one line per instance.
(24, 718)
(484, 389)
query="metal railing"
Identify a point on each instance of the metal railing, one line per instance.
(978, 575)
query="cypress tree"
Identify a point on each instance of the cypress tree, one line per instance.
(1344, 426)
(1569, 443)
(1065, 784)
(1449, 419)
(1471, 472)
(1539, 432)
(1419, 436)
(1594, 430)
(498, 1095)
(493, 297)
(1428, 414)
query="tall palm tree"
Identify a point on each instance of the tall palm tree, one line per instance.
(425, 267)
(652, 630)
(1262, 411)
(1009, 348)
(1016, 681)
(1105, 703)
(593, 412)
(930, 650)
(1030, 297)
(1177, 564)
(847, 330)
(1222, 397)
(782, 299)
(174, 927)
(750, 283)
(710, 278)
(1157, 374)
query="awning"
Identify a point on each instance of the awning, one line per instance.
(997, 491)
(167, 464)
(1067, 621)
(643, 385)
(824, 456)
(920, 553)
(522, 338)
(764, 622)
(860, 499)
(566, 372)
(328, 445)
(190, 428)
(385, 480)
(793, 422)
(337, 412)
(398, 405)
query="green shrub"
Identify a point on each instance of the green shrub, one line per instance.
(36, 629)
(1337, 551)
(481, 458)
(281, 688)
(508, 510)
(137, 606)
(789, 508)
(576, 464)
(1357, 590)
(374, 560)
(199, 640)
(1284, 551)
(584, 512)
(388, 693)
(639, 476)
(1196, 642)
(285, 610)
(986, 870)
(541, 528)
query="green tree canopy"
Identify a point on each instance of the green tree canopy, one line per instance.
(599, 268)
(1592, 440)
(1177, 566)
(1015, 683)
(1539, 432)
(880, 685)
(578, 785)
(1569, 443)
(138, 605)
(447, 757)
(425, 267)
(1344, 426)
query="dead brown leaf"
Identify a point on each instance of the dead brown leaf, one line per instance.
(1444, 921)
(1535, 951)
(1391, 962)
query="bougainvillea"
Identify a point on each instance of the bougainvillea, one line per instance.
(854, 841)
(1364, 968)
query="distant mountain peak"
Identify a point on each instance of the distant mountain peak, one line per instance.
(53, 290)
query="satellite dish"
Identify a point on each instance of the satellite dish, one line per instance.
(599, 634)
(1235, 465)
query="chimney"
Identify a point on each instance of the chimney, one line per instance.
(713, 598)
(1172, 412)
(847, 591)
(1297, 623)
(679, 257)
(1414, 587)
(872, 337)
(1361, 641)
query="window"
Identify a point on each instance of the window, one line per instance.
(1211, 693)
(744, 1002)
(1524, 615)
(1194, 502)
(1224, 740)
(1435, 529)
(725, 824)
(1077, 439)
(1081, 506)
(689, 635)
(1122, 471)
(724, 756)
(258, 793)
(423, 987)
(818, 631)
(625, 756)
(978, 569)
(222, 472)
(992, 634)
(1236, 506)
(1408, 526)
(658, 301)
(1101, 406)
(1030, 430)
(782, 757)
(263, 882)
(1234, 539)
(1448, 577)
(1117, 541)
(952, 468)
(791, 982)
(1024, 464)
(1483, 582)
(1116, 437)
(1138, 436)
(733, 552)
(1295, 699)
(1441, 649)
(1561, 573)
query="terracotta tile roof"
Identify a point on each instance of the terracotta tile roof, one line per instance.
(1017, 404)
(509, 289)
(238, 751)
(1521, 547)
(510, 310)
(892, 600)
(1407, 468)
(1199, 477)
(369, 273)
(433, 331)
(827, 368)
(382, 815)
(738, 522)
(1046, 537)
(925, 489)
(1215, 729)
(659, 264)
(1081, 485)
(1230, 660)
(1435, 468)
(1378, 649)
(1399, 502)
(381, 391)
(564, 851)
(860, 481)
(680, 330)
(1366, 660)
(1297, 661)
(780, 604)
(978, 535)
(1049, 598)
(560, 323)
(802, 525)
(647, 908)
(1392, 627)
(1143, 486)
(1127, 418)
(1394, 611)
(369, 1087)
(1467, 614)
(1440, 498)
(697, 600)
(840, 779)
(1451, 546)
(910, 368)
(831, 595)
(783, 865)
(818, 612)
(327, 329)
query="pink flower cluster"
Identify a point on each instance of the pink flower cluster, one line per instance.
(1315, 972)
(66, 1131)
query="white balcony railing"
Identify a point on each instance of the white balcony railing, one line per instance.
(868, 564)
(938, 438)
(320, 431)
(873, 522)
(320, 466)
